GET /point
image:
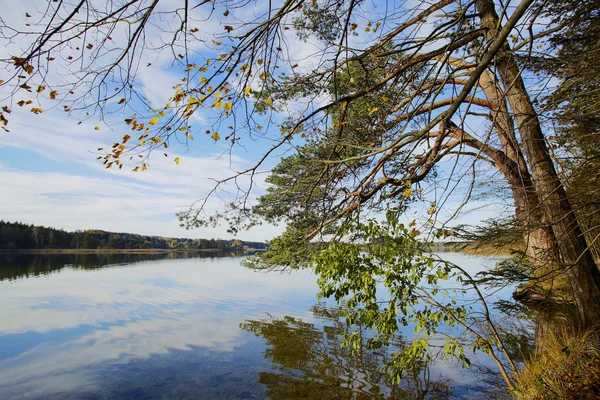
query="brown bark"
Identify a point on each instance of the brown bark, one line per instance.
(538, 238)
(579, 266)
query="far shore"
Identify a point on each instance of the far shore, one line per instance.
(114, 251)
(484, 250)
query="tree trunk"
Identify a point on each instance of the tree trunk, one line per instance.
(579, 266)
(539, 241)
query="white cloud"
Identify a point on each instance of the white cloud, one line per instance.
(126, 314)
(89, 196)
(115, 200)
(72, 201)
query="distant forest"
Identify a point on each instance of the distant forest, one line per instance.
(17, 236)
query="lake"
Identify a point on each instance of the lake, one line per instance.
(195, 326)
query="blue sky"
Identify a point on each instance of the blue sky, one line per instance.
(50, 176)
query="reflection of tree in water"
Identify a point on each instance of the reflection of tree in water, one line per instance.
(312, 363)
(24, 265)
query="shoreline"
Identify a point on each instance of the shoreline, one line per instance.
(485, 250)
(110, 251)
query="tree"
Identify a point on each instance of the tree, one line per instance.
(574, 106)
(90, 241)
(402, 107)
(113, 243)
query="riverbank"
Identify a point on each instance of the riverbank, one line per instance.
(474, 249)
(484, 250)
(471, 249)
(116, 251)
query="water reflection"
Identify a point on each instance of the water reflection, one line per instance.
(311, 362)
(80, 330)
(122, 326)
(15, 266)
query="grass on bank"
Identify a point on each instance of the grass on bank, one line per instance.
(568, 369)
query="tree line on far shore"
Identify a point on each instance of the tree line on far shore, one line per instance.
(20, 236)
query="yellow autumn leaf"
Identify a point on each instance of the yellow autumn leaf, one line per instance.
(53, 94)
(228, 106)
(203, 79)
(247, 91)
(352, 80)
(268, 102)
(215, 136)
(177, 160)
(372, 110)
(432, 209)
(40, 89)
(144, 167)
(36, 110)
(407, 192)
(153, 121)
(96, 128)
(414, 233)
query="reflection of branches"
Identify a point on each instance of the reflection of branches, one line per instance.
(499, 343)
(312, 361)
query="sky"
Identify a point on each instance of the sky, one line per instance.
(49, 174)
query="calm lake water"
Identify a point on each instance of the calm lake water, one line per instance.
(197, 327)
